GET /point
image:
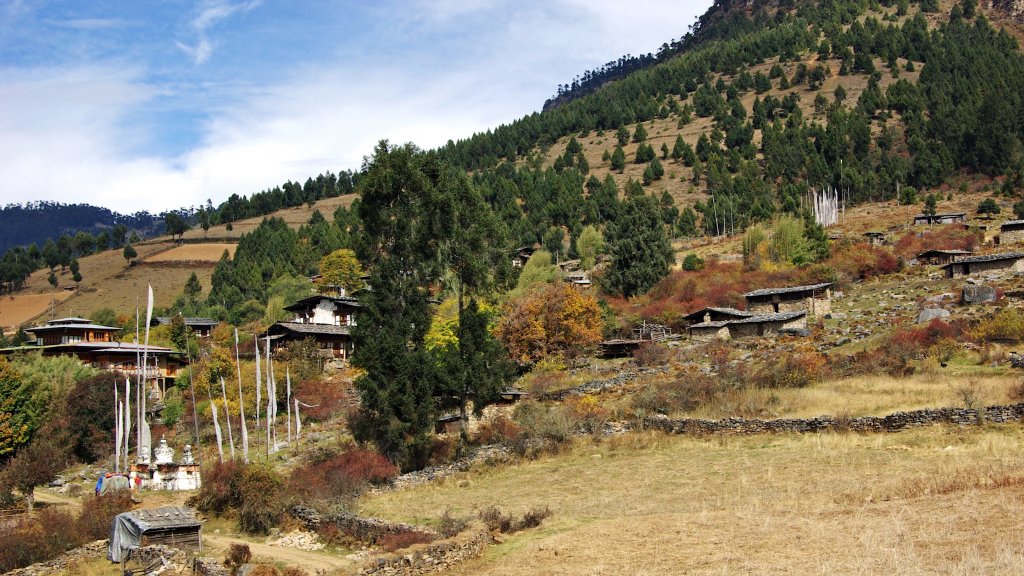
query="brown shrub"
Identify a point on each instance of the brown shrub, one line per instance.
(341, 477)
(219, 493)
(98, 514)
(452, 525)
(497, 521)
(237, 556)
(1017, 392)
(795, 369)
(327, 398)
(651, 354)
(402, 540)
(498, 430)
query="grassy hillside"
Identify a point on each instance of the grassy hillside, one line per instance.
(109, 282)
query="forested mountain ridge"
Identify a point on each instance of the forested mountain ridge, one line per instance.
(35, 222)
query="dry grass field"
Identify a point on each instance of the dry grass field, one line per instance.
(295, 217)
(193, 253)
(19, 309)
(932, 501)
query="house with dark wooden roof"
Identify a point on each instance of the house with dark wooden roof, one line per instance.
(521, 255)
(326, 319)
(815, 299)
(758, 325)
(715, 314)
(201, 327)
(939, 257)
(1007, 261)
(944, 218)
(1011, 232)
(95, 346)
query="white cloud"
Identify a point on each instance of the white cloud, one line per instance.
(211, 12)
(68, 133)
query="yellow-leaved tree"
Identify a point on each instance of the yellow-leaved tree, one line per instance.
(554, 319)
(340, 269)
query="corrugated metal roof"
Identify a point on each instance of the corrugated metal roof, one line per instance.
(1012, 223)
(788, 290)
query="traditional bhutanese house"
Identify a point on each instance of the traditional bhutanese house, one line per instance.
(1011, 232)
(202, 327)
(715, 314)
(945, 218)
(874, 238)
(521, 255)
(939, 257)
(94, 345)
(71, 331)
(578, 279)
(174, 526)
(749, 327)
(1011, 261)
(326, 319)
(815, 299)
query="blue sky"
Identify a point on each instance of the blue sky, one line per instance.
(158, 105)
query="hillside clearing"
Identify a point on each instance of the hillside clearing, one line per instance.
(193, 253)
(937, 500)
(16, 310)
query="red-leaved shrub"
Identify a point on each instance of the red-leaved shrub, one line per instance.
(341, 477)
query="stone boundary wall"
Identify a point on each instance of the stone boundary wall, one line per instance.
(894, 422)
(98, 549)
(435, 557)
(209, 567)
(594, 386)
(359, 528)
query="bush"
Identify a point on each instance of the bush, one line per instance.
(651, 354)
(237, 556)
(496, 521)
(1007, 324)
(401, 540)
(498, 430)
(219, 493)
(794, 370)
(262, 505)
(98, 514)
(451, 526)
(326, 397)
(341, 477)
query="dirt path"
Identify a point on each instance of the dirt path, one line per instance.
(214, 546)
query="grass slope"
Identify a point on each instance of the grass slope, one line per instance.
(934, 501)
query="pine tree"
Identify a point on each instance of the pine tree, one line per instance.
(639, 248)
(618, 159)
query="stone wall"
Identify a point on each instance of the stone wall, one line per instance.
(1011, 237)
(98, 549)
(357, 527)
(892, 423)
(814, 306)
(435, 557)
(968, 268)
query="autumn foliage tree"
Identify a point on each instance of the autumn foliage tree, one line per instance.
(341, 269)
(556, 319)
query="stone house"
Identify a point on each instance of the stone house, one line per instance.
(945, 218)
(1007, 261)
(715, 314)
(1011, 232)
(753, 326)
(939, 257)
(815, 299)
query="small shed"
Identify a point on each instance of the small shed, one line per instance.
(874, 238)
(174, 526)
(944, 218)
(939, 257)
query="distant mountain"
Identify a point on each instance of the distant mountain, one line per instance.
(34, 222)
